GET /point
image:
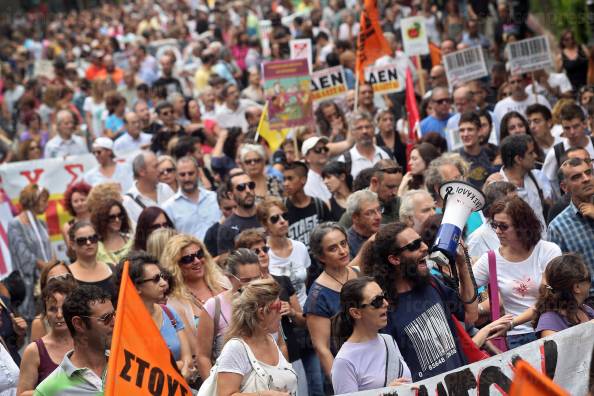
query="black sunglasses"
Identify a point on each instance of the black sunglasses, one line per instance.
(377, 302)
(275, 218)
(82, 241)
(156, 226)
(242, 186)
(442, 101)
(413, 246)
(166, 171)
(263, 249)
(121, 216)
(502, 226)
(253, 161)
(189, 259)
(155, 279)
(320, 150)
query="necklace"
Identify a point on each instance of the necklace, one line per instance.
(337, 281)
(198, 300)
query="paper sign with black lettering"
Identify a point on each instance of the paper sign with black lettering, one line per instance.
(465, 65)
(384, 79)
(414, 36)
(328, 83)
(529, 55)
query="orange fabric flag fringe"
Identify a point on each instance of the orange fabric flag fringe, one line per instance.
(412, 113)
(529, 382)
(140, 362)
(371, 43)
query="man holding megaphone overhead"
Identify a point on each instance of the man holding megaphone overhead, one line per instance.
(423, 307)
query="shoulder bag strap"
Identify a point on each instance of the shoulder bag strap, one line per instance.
(493, 288)
(258, 369)
(387, 361)
(217, 314)
(540, 194)
(137, 200)
(348, 161)
(559, 150)
(169, 314)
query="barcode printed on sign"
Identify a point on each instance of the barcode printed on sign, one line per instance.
(527, 48)
(463, 58)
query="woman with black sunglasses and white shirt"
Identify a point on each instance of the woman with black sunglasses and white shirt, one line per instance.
(366, 359)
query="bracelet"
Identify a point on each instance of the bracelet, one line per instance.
(511, 325)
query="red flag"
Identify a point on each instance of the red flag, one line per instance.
(371, 43)
(412, 111)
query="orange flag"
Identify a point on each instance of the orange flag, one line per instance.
(371, 43)
(529, 382)
(140, 362)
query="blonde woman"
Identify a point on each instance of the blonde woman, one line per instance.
(251, 347)
(156, 242)
(167, 171)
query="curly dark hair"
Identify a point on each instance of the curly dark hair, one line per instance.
(375, 259)
(81, 188)
(78, 303)
(144, 225)
(100, 217)
(137, 260)
(321, 121)
(524, 220)
(557, 296)
(53, 287)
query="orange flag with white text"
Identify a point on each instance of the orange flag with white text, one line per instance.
(371, 43)
(139, 361)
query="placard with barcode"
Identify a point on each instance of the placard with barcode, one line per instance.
(465, 65)
(529, 55)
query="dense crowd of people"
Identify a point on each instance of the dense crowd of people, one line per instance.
(308, 263)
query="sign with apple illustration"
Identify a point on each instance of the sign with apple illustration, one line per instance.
(414, 38)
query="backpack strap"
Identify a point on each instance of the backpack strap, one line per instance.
(387, 360)
(348, 161)
(137, 200)
(217, 314)
(540, 194)
(319, 208)
(169, 314)
(559, 150)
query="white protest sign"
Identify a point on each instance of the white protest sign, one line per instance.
(414, 36)
(565, 357)
(383, 79)
(465, 65)
(328, 83)
(301, 49)
(265, 32)
(43, 68)
(529, 55)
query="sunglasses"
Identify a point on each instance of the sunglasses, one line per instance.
(502, 226)
(159, 225)
(244, 281)
(167, 171)
(155, 279)
(106, 319)
(275, 218)
(413, 246)
(275, 306)
(242, 186)
(253, 161)
(443, 101)
(189, 259)
(82, 241)
(377, 302)
(321, 150)
(61, 277)
(263, 249)
(120, 216)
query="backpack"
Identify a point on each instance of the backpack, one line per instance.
(560, 150)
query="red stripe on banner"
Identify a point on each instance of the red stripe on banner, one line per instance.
(4, 236)
(52, 219)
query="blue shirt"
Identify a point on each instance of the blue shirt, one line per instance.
(169, 333)
(114, 123)
(190, 217)
(432, 124)
(573, 232)
(322, 301)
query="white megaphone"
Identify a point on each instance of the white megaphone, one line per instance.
(460, 199)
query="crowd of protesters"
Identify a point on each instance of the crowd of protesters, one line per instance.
(309, 262)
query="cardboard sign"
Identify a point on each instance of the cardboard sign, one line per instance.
(328, 83)
(265, 32)
(414, 36)
(383, 79)
(465, 65)
(301, 49)
(287, 89)
(529, 55)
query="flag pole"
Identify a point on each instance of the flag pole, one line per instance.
(262, 117)
(421, 77)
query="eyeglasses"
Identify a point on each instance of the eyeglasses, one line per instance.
(321, 150)
(377, 302)
(189, 259)
(118, 216)
(443, 101)
(82, 241)
(275, 218)
(166, 171)
(61, 277)
(263, 249)
(413, 246)
(155, 279)
(106, 319)
(244, 281)
(156, 226)
(253, 161)
(502, 226)
(392, 170)
(242, 186)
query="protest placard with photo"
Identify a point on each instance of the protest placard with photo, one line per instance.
(414, 36)
(301, 48)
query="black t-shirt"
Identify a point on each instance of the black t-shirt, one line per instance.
(231, 228)
(303, 220)
(336, 211)
(7, 332)
(480, 167)
(210, 239)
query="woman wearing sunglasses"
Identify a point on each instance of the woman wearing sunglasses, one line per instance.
(44, 354)
(242, 267)
(167, 171)
(150, 219)
(251, 361)
(151, 284)
(366, 359)
(520, 262)
(253, 162)
(287, 257)
(87, 269)
(113, 227)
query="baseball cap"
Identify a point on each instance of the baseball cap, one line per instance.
(103, 143)
(311, 143)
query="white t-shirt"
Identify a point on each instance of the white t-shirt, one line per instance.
(315, 187)
(555, 80)
(97, 111)
(482, 240)
(508, 104)
(295, 267)
(551, 166)
(518, 282)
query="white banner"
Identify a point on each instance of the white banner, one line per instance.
(465, 65)
(301, 49)
(565, 357)
(328, 83)
(414, 36)
(5, 260)
(384, 79)
(529, 55)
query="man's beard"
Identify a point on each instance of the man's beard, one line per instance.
(409, 270)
